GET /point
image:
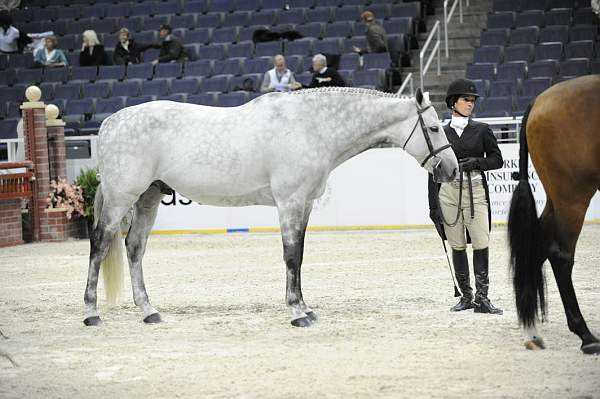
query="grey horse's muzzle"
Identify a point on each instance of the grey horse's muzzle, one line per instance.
(439, 175)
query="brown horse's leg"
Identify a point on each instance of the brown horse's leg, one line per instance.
(567, 220)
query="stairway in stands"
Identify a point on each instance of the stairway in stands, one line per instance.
(462, 40)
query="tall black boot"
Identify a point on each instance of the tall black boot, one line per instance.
(482, 282)
(461, 270)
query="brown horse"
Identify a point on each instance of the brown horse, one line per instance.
(560, 131)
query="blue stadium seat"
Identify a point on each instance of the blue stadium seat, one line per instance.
(340, 29)
(8, 129)
(408, 9)
(173, 7)
(580, 49)
(512, 70)
(198, 68)
(294, 16)
(211, 20)
(561, 4)
(304, 78)
(371, 78)
(241, 49)
(267, 18)
(28, 76)
(549, 51)
(358, 41)
(320, 14)
(501, 20)
(142, 9)
(155, 88)
(212, 52)
(111, 72)
(237, 83)
(349, 61)
(533, 87)
(481, 71)
(131, 101)
(41, 14)
(525, 35)
(583, 16)
(126, 89)
(139, 71)
(258, 65)
(70, 42)
(347, 76)
(496, 107)
(398, 25)
(328, 3)
(311, 29)
(168, 70)
(47, 91)
(248, 5)
(195, 6)
(145, 37)
(68, 90)
(505, 5)
(232, 99)
(347, 13)
(13, 110)
(185, 85)
(327, 46)
(238, 18)
(107, 25)
(482, 87)
(107, 106)
(554, 34)
(574, 67)
(595, 66)
(502, 88)
(558, 16)
(118, 10)
(521, 104)
(376, 61)
(153, 23)
(7, 77)
(221, 6)
(80, 107)
(519, 52)
(201, 35)
(20, 61)
(231, 67)
(294, 63)
(186, 21)
(224, 35)
(96, 90)
(209, 99)
(530, 18)
(381, 11)
(267, 49)
(487, 54)
(178, 97)
(299, 47)
(527, 5)
(494, 37)
(218, 84)
(542, 69)
(150, 55)
(583, 32)
(15, 93)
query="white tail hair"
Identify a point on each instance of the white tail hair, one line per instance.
(112, 265)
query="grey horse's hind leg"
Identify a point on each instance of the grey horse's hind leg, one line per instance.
(144, 214)
(293, 220)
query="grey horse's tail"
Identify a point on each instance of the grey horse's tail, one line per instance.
(112, 265)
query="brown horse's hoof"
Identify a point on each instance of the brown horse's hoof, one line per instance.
(94, 321)
(154, 318)
(535, 344)
(591, 349)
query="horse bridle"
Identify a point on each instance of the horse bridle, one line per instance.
(432, 152)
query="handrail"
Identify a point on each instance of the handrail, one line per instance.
(436, 48)
(448, 17)
(408, 80)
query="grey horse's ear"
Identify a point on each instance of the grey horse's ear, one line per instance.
(419, 96)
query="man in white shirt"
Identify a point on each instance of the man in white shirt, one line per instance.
(279, 78)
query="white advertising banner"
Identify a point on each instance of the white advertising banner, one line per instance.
(377, 189)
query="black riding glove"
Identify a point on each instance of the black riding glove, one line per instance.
(469, 164)
(435, 215)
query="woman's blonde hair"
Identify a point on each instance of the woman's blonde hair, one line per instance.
(91, 37)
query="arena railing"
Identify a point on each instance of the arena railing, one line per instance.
(424, 66)
(408, 82)
(448, 17)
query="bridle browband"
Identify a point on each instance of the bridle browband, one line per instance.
(432, 152)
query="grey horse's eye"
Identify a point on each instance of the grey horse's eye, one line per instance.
(434, 129)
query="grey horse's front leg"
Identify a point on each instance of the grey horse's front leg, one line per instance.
(294, 219)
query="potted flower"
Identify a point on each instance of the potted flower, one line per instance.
(88, 182)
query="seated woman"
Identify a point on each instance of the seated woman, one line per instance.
(92, 52)
(50, 56)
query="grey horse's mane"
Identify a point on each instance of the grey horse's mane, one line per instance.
(348, 90)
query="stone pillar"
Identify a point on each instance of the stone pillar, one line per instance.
(56, 143)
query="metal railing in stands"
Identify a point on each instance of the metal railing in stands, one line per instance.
(423, 68)
(408, 81)
(448, 18)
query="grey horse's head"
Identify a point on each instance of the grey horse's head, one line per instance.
(427, 142)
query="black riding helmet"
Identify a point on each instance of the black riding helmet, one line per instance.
(460, 87)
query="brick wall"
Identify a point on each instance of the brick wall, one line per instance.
(11, 231)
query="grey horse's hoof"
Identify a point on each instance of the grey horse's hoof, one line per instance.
(153, 319)
(312, 316)
(302, 322)
(93, 321)
(591, 349)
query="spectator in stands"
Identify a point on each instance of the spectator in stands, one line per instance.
(324, 76)
(127, 50)
(50, 56)
(376, 37)
(171, 49)
(9, 35)
(279, 78)
(92, 52)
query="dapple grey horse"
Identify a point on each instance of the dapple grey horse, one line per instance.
(276, 150)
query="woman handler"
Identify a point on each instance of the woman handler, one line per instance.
(468, 209)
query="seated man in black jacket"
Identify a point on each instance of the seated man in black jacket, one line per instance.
(171, 48)
(127, 51)
(324, 76)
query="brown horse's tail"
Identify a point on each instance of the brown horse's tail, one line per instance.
(528, 248)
